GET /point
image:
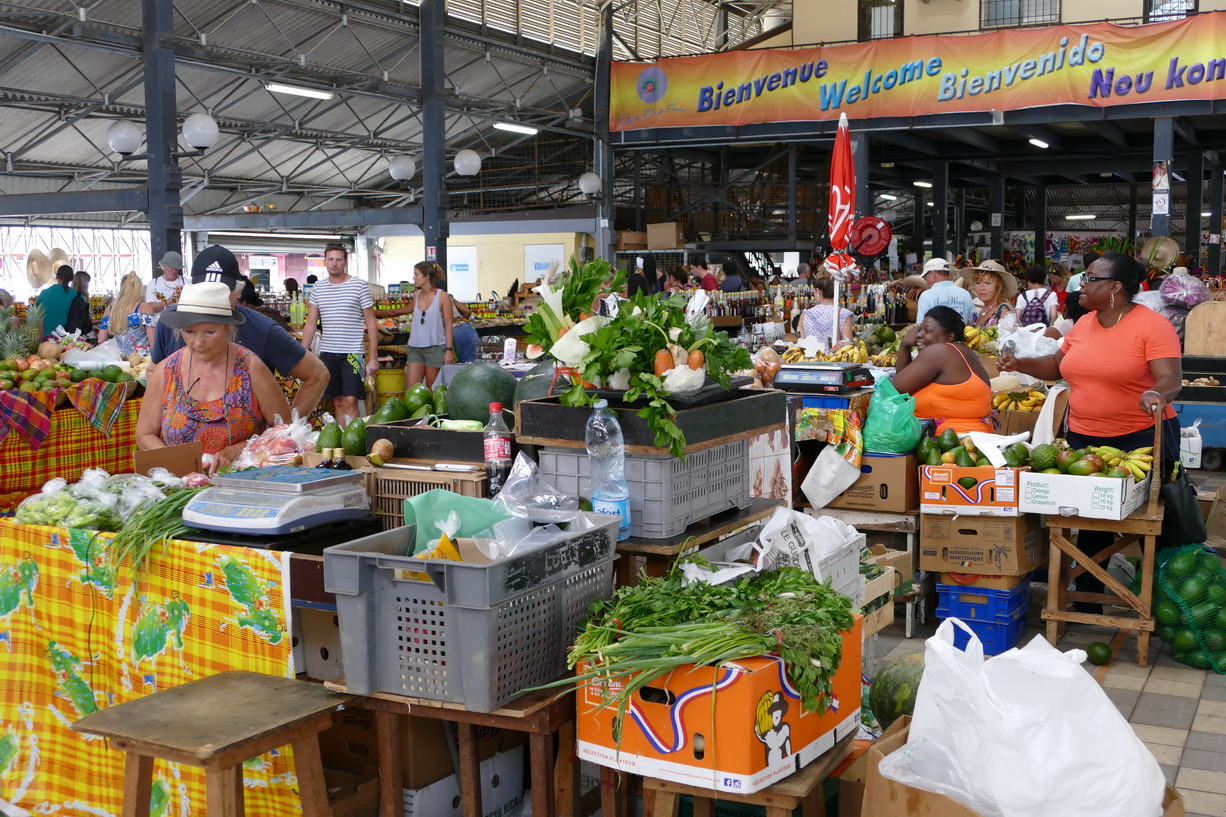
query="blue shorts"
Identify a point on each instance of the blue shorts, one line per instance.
(346, 374)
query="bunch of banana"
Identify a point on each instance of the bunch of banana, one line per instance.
(851, 353)
(973, 337)
(1019, 401)
(1137, 462)
(885, 359)
(795, 354)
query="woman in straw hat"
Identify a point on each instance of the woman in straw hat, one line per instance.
(997, 288)
(212, 390)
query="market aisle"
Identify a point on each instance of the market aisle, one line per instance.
(1179, 712)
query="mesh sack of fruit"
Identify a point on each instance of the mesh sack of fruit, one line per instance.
(1190, 606)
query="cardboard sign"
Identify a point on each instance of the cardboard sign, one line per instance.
(887, 484)
(751, 735)
(981, 544)
(179, 460)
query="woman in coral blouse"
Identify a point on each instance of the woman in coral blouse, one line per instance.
(1123, 365)
(946, 378)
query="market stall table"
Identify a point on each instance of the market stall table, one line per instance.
(659, 554)
(80, 636)
(73, 445)
(541, 714)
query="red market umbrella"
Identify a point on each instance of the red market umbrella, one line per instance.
(842, 204)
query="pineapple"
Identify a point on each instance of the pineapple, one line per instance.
(22, 340)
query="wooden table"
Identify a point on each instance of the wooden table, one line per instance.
(804, 789)
(555, 785)
(907, 524)
(1143, 525)
(659, 554)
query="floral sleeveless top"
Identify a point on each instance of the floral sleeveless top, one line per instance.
(233, 418)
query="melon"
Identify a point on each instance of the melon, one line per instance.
(894, 689)
(476, 386)
(540, 383)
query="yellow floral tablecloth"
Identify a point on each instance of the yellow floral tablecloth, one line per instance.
(77, 635)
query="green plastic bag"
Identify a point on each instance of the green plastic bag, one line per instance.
(891, 427)
(424, 510)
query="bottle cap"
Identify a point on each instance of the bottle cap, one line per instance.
(601, 403)
(495, 406)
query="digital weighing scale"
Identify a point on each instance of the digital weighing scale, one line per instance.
(277, 500)
(833, 378)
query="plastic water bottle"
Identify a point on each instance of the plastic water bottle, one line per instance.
(606, 452)
(497, 451)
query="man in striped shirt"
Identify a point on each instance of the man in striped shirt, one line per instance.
(347, 309)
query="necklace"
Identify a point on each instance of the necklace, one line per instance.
(1123, 312)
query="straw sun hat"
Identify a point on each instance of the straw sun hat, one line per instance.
(39, 270)
(1006, 279)
(205, 302)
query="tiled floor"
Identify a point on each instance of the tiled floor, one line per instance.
(1179, 712)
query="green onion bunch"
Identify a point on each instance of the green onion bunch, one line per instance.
(151, 525)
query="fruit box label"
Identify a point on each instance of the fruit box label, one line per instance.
(735, 728)
(1091, 497)
(978, 491)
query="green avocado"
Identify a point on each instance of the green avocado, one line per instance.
(329, 437)
(948, 440)
(354, 437)
(968, 482)
(934, 457)
(965, 460)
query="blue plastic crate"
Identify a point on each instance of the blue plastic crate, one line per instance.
(995, 637)
(971, 603)
(827, 401)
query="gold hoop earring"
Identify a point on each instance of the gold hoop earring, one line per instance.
(1113, 300)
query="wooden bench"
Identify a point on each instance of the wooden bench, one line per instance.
(216, 723)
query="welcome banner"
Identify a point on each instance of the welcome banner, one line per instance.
(1097, 65)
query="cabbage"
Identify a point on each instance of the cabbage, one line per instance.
(1182, 290)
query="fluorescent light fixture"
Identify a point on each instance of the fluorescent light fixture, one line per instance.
(924, 185)
(888, 196)
(515, 127)
(295, 236)
(930, 204)
(1206, 215)
(293, 90)
(1039, 143)
(1081, 217)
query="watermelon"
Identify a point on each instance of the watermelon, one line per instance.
(476, 386)
(894, 689)
(540, 383)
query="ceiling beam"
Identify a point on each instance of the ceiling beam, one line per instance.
(303, 219)
(974, 138)
(75, 201)
(1112, 133)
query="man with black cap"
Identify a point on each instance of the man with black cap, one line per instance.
(258, 333)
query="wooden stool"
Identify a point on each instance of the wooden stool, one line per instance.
(216, 723)
(804, 789)
(1143, 524)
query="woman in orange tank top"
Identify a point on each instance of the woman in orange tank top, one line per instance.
(946, 379)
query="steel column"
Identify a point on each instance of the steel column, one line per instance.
(940, 208)
(1164, 141)
(917, 224)
(1133, 197)
(433, 131)
(1040, 223)
(792, 193)
(603, 149)
(1215, 219)
(960, 221)
(865, 202)
(996, 218)
(165, 211)
(1194, 174)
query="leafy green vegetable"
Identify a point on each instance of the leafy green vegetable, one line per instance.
(581, 287)
(660, 624)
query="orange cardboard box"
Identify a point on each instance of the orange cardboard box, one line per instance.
(993, 494)
(753, 734)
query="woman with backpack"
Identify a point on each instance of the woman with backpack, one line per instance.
(1038, 304)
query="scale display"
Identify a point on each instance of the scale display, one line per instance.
(268, 513)
(823, 377)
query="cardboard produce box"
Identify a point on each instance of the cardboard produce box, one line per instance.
(993, 492)
(631, 240)
(889, 484)
(353, 794)
(1091, 497)
(502, 790)
(889, 798)
(751, 735)
(900, 560)
(878, 593)
(983, 545)
(667, 235)
(352, 743)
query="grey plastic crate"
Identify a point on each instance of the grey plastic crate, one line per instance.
(666, 494)
(473, 634)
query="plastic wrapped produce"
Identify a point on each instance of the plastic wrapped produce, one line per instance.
(1184, 291)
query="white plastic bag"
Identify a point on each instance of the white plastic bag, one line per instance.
(1028, 733)
(1029, 341)
(793, 538)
